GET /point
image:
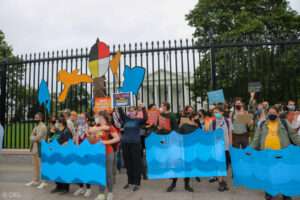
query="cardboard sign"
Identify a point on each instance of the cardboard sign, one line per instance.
(216, 96)
(254, 87)
(122, 99)
(272, 171)
(103, 104)
(244, 118)
(62, 163)
(178, 156)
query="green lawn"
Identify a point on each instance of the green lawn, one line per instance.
(17, 135)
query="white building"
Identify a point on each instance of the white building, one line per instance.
(166, 86)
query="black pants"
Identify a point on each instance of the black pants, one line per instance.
(88, 186)
(269, 197)
(133, 162)
(186, 181)
(62, 186)
(144, 162)
(240, 141)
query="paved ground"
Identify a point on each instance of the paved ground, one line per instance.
(15, 171)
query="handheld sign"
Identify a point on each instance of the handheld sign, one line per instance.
(216, 96)
(103, 104)
(122, 99)
(254, 87)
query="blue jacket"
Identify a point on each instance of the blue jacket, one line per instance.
(132, 127)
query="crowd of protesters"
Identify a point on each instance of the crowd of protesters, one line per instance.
(256, 124)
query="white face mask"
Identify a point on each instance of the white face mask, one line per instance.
(97, 120)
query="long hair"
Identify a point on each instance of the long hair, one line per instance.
(106, 116)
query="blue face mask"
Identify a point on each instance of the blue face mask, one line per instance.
(218, 115)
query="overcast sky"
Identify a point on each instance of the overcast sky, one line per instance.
(42, 25)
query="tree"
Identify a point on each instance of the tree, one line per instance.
(16, 92)
(248, 21)
(78, 99)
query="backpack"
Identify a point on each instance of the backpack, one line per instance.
(214, 124)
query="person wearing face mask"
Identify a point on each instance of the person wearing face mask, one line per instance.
(240, 135)
(274, 134)
(131, 145)
(38, 133)
(64, 136)
(81, 130)
(82, 127)
(167, 122)
(188, 124)
(291, 106)
(225, 124)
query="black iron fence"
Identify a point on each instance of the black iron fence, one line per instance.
(180, 72)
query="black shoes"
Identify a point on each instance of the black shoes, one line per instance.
(135, 188)
(126, 187)
(188, 188)
(223, 186)
(62, 192)
(171, 188)
(286, 198)
(55, 190)
(212, 180)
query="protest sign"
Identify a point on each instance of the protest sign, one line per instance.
(122, 99)
(254, 87)
(216, 96)
(102, 104)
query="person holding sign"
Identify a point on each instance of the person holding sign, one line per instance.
(166, 123)
(131, 145)
(64, 136)
(241, 120)
(275, 134)
(108, 137)
(225, 124)
(82, 129)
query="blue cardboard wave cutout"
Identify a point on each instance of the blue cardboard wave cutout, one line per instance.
(275, 172)
(133, 79)
(71, 163)
(44, 95)
(198, 154)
